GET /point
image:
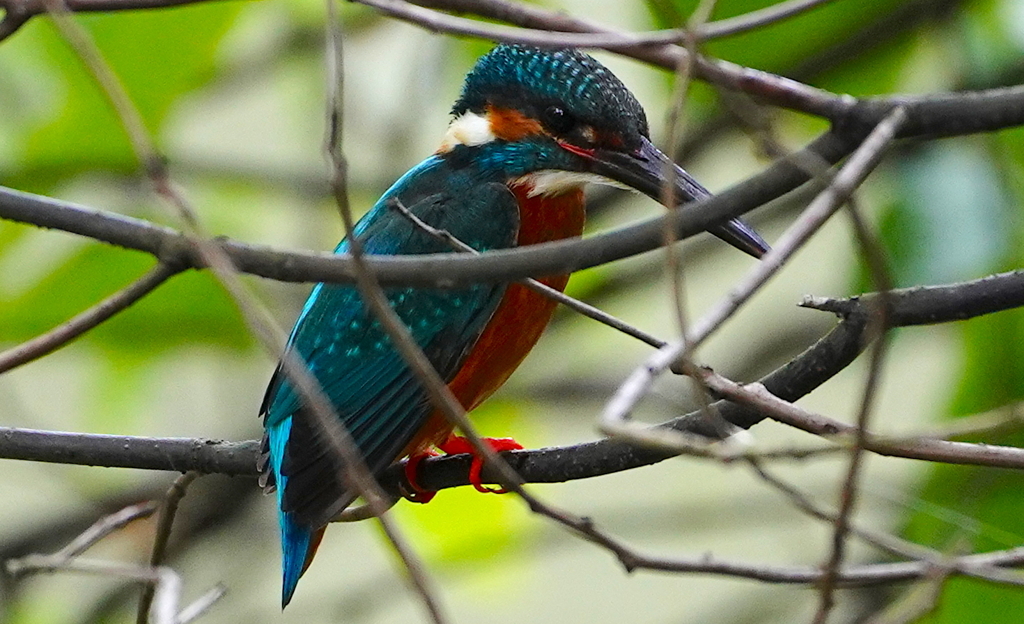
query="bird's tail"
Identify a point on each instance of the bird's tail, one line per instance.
(299, 541)
(298, 546)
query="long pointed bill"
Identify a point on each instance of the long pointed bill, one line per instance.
(646, 170)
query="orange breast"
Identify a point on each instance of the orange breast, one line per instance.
(519, 319)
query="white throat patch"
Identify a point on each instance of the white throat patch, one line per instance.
(552, 182)
(469, 129)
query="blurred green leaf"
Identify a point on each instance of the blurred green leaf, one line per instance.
(981, 508)
(948, 218)
(190, 308)
(157, 55)
(462, 527)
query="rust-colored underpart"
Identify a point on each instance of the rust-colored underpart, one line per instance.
(519, 319)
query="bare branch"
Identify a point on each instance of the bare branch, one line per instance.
(104, 527)
(877, 334)
(201, 605)
(810, 369)
(373, 296)
(888, 543)
(938, 115)
(166, 582)
(655, 48)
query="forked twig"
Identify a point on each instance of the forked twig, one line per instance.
(168, 509)
(165, 582)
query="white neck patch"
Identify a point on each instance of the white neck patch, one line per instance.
(469, 129)
(552, 182)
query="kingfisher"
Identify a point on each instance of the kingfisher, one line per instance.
(531, 128)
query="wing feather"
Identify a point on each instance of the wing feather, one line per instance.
(376, 395)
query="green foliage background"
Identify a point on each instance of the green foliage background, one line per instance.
(233, 93)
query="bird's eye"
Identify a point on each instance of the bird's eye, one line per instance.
(557, 120)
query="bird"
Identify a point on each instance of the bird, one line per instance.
(531, 127)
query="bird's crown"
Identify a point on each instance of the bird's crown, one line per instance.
(560, 88)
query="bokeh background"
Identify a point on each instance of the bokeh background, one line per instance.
(234, 94)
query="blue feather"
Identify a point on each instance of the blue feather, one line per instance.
(295, 538)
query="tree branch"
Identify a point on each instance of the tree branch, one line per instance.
(930, 116)
(810, 369)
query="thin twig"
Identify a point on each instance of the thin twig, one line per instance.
(539, 287)
(756, 396)
(676, 129)
(919, 601)
(755, 19)
(165, 581)
(653, 47)
(884, 541)
(371, 292)
(876, 331)
(74, 327)
(168, 509)
(104, 527)
(354, 471)
(200, 605)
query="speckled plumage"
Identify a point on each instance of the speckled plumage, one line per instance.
(530, 79)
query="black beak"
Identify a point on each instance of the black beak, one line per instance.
(647, 170)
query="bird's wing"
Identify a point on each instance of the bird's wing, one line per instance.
(374, 392)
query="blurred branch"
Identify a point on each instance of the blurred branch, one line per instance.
(165, 581)
(104, 527)
(877, 334)
(18, 12)
(350, 465)
(375, 299)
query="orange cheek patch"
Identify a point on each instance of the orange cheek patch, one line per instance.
(511, 125)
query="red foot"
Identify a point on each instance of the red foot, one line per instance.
(412, 469)
(456, 444)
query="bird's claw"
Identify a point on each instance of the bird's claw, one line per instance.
(457, 444)
(454, 445)
(416, 493)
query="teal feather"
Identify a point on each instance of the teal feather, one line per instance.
(372, 389)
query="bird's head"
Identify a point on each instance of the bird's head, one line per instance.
(554, 119)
